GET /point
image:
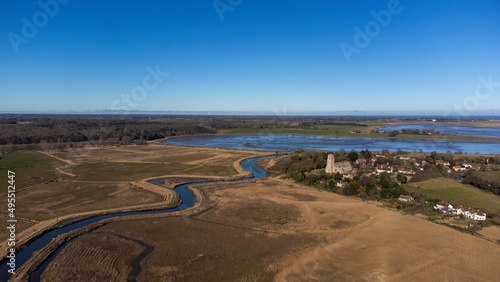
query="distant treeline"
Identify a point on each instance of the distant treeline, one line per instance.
(48, 130)
(346, 123)
(106, 129)
(62, 131)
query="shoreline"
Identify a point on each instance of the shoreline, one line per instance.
(357, 135)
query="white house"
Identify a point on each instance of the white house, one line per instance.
(467, 212)
(443, 207)
(479, 215)
(341, 184)
(383, 168)
(405, 198)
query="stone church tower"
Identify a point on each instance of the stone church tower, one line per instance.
(330, 164)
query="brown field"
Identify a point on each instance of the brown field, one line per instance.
(130, 163)
(21, 225)
(45, 201)
(491, 232)
(272, 229)
(101, 257)
(85, 180)
(194, 250)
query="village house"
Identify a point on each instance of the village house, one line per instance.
(361, 161)
(383, 168)
(443, 207)
(475, 167)
(341, 184)
(468, 213)
(406, 171)
(348, 176)
(405, 198)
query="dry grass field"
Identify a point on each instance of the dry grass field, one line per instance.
(99, 178)
(129, 163)
(21, 225)
(273, 229)
(491, 232)
(101, 257)
(54, 186)
(45, 201)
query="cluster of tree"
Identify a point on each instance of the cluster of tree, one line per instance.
(413, 131)
(390, 188)
(418, 132)
(475, 179)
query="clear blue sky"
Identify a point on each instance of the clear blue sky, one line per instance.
(272, 56)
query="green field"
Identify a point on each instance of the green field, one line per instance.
(346, 131)
(456, 193)
(30, 168)
(490, 175)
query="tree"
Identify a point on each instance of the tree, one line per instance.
(402, 178)
(433, 155)
(332, 184)
(352, 188)
(365, 154)
(353, 156)
(385, 180)
(393, 133)
(338, 176)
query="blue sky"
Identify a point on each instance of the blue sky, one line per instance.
(264, 56)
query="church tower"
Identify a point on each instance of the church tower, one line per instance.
(330, 164)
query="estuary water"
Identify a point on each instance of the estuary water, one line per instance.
(283, 142)
(455, 130)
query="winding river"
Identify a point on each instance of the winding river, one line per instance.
(188, 201)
